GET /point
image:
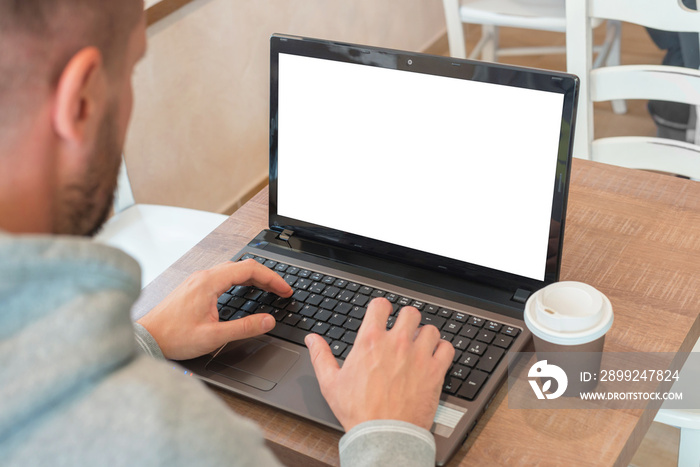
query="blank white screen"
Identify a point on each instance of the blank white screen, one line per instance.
(453, 167)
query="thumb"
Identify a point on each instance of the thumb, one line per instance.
(243, 328)
(322, 359)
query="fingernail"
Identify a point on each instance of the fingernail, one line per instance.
(268, 323)
(309, 341)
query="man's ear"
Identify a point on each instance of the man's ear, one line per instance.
(80, 96)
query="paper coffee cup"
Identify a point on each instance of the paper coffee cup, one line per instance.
(568, 321)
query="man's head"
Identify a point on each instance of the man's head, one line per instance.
(65, 102)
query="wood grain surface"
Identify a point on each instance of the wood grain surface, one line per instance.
(633, 235)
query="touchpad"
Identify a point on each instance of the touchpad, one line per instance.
(253, 362)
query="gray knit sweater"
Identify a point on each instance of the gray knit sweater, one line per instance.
(75, 390)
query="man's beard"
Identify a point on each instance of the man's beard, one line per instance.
(84, 205)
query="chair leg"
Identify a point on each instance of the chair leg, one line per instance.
(613, 58)
(491, 46)
(689, 448)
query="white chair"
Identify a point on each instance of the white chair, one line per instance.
(688, 420)
(655, 82)
(156, 236)
(542, 15)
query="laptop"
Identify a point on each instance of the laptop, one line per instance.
(432, 181)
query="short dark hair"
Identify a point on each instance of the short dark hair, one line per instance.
(39, 37)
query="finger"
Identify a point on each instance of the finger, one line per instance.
(322, 359)
(243, 328)
(407, 322)
(249, 272)
(377, 314)
(444, 353)
(428, 338)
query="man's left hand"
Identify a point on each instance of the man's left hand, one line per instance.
(186, 323)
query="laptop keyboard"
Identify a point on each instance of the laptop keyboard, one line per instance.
(334, 307)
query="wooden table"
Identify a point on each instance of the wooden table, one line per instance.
(633, 235)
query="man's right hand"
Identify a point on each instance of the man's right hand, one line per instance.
(388, 375)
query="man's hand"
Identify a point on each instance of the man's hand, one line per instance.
(388, 375)
(186, 324)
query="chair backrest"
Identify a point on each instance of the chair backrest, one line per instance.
(653, 82)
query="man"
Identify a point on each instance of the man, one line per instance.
(74, 388)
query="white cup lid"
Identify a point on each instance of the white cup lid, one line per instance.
(568, 313)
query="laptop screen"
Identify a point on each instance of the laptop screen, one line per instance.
(380, 149)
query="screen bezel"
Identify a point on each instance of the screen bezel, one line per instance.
(486, 72)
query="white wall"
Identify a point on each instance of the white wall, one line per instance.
(199, 131)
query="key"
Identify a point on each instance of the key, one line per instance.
(352, 324)
(223, 299)
(321, 328)
(460, 372)
(473, 383)
(328, 280)
(314, 299)
(360, 300)
(468, 359)
(250, 306)
(445, 313)
(486, 336)
(349, 337)
(490, 359)
(503, 341)
(323, 315)
(470, 332)
(452, 385)
(337, 319)
(510, 331)
(477, 347)
(358, 312)
(437, 321)
(301, 295)
(316, 287)
(461, 343)
(289, 333)
(338, 348)
(306, 323)
(291, 319)
(309, 310)
(343, 308)
(345, 296)
(335, 332)
(452, 326)
(225, 313)
(302, 284)
(476, 321)
(329, 303)
(330, 292)
(294, 306)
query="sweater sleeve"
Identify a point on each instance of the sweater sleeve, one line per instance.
(387, 442)
(146, 342)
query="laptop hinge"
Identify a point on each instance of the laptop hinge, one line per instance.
(286, 235)
(521, 295)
